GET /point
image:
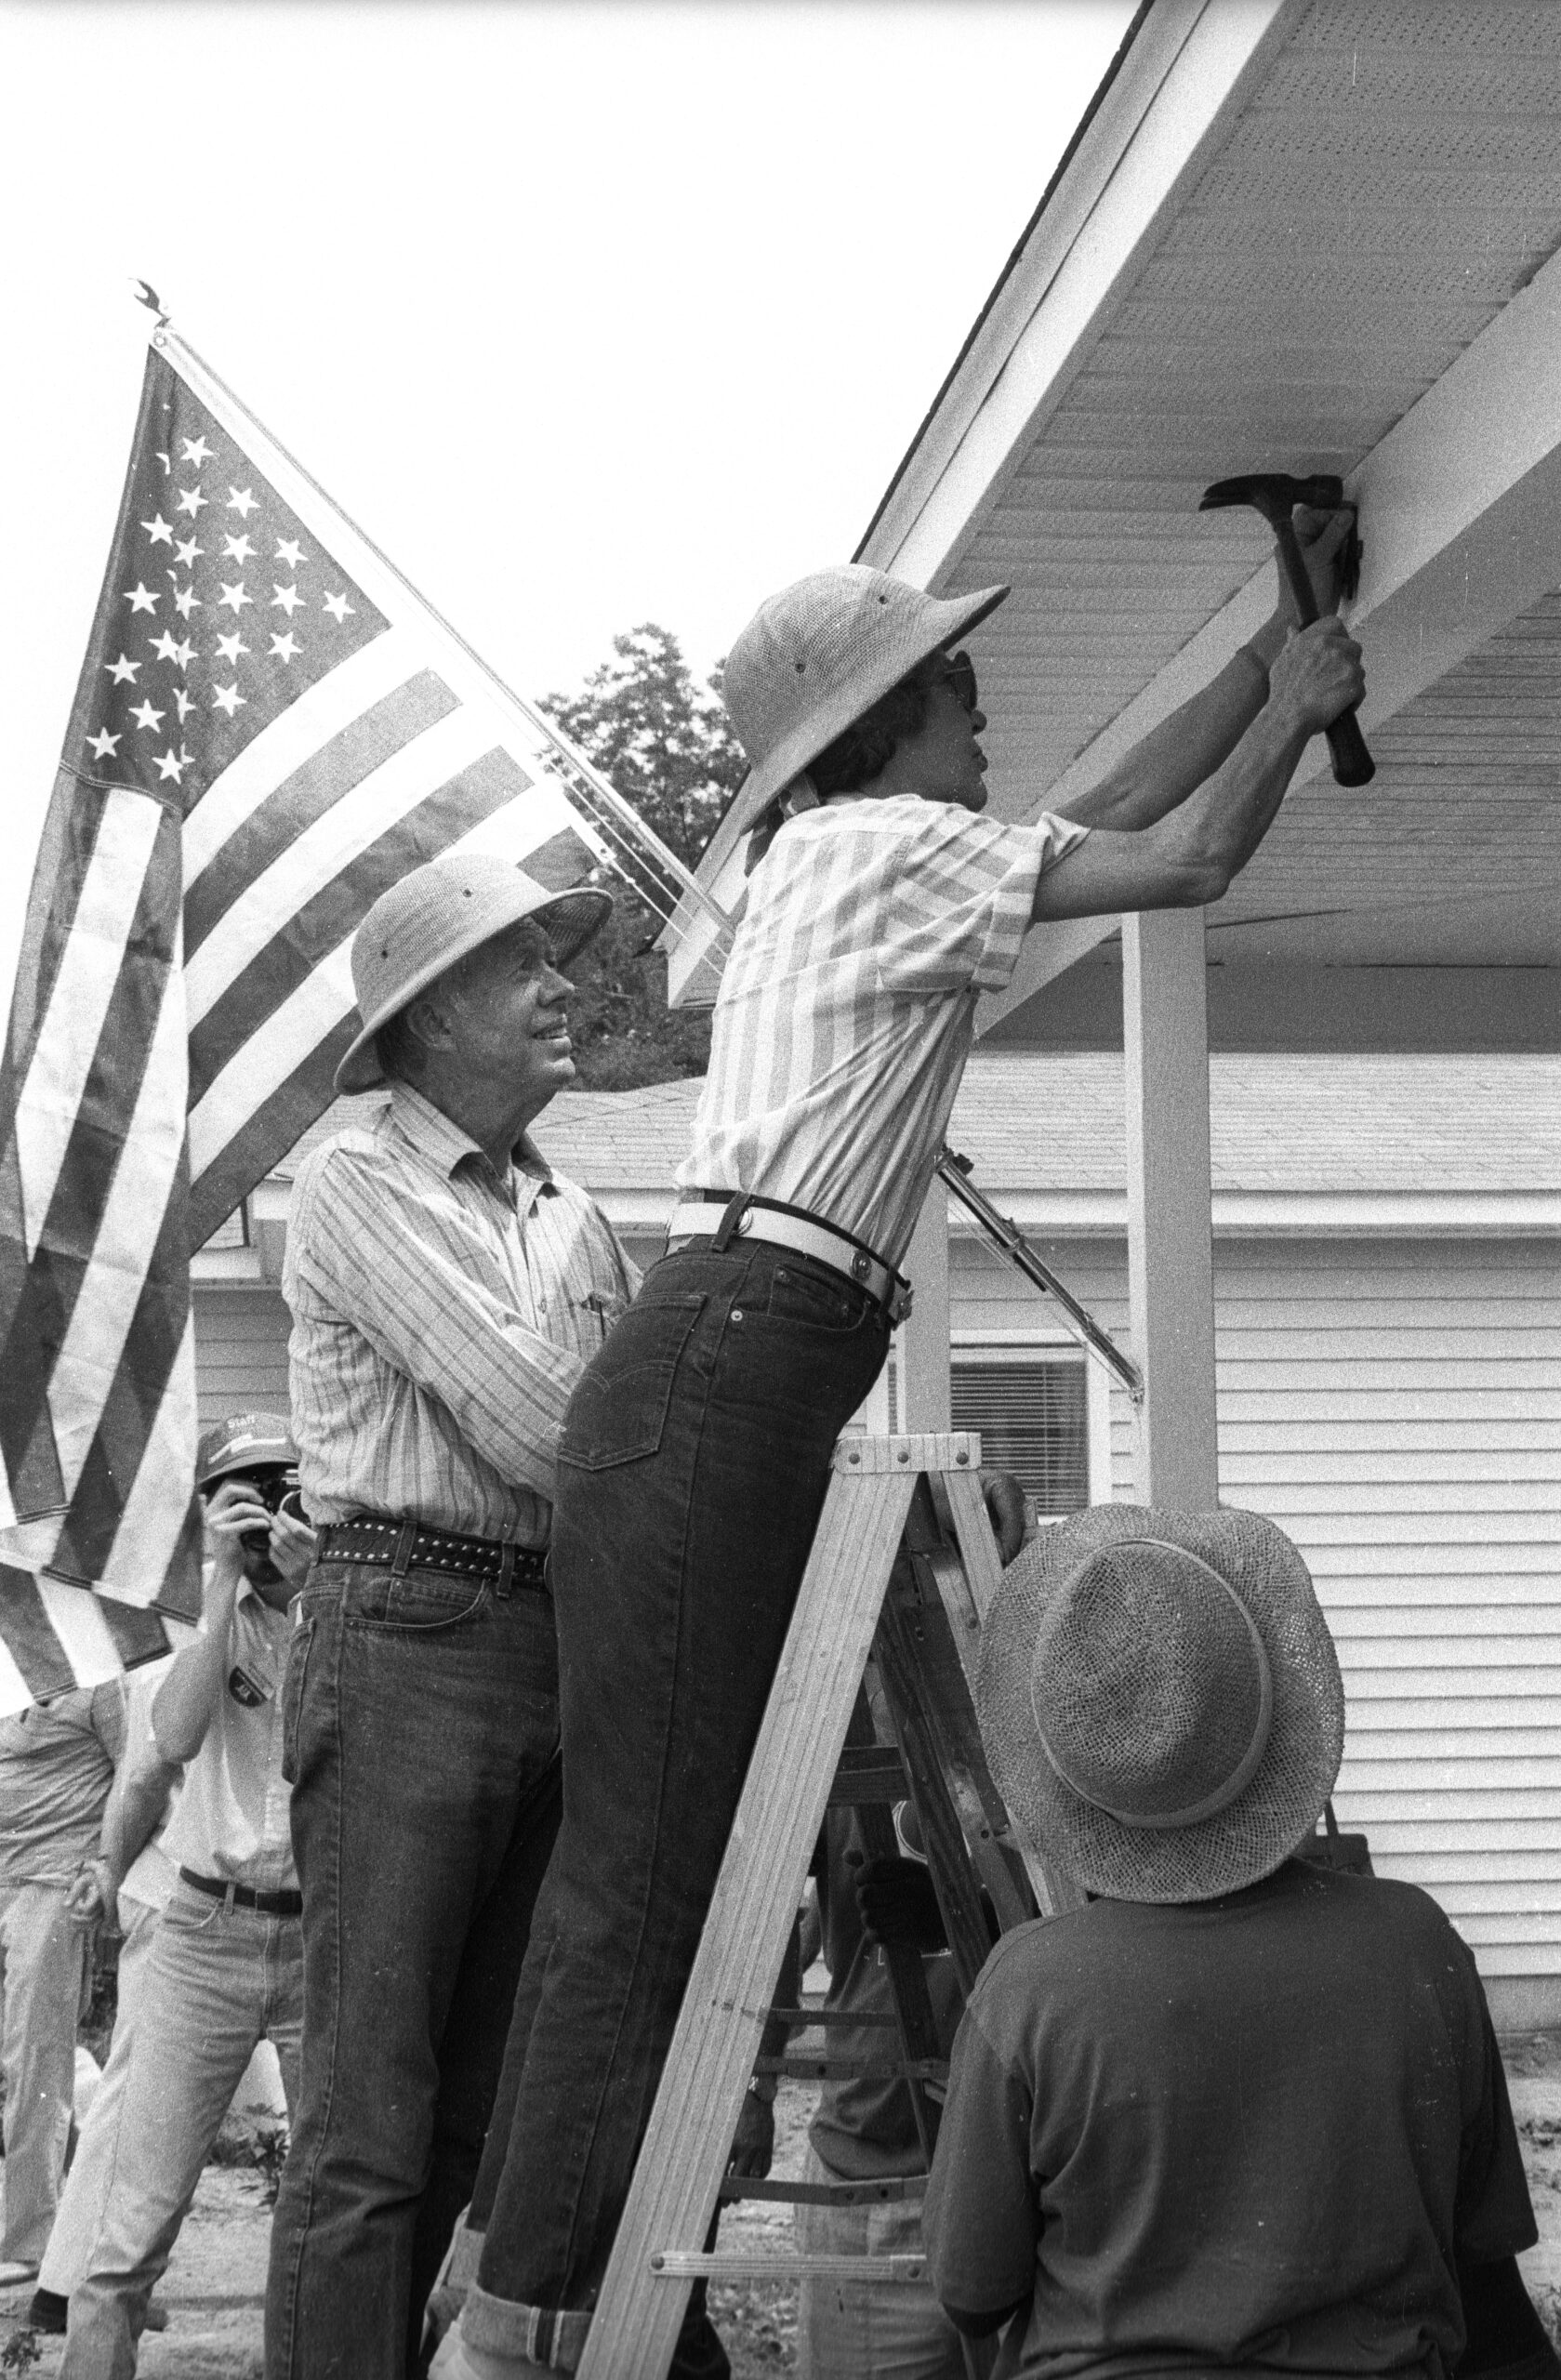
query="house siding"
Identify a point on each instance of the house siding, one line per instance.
(241, 1351)
(1396, 1407)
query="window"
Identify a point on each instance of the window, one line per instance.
(1032, 1412)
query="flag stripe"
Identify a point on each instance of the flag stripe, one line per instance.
(267, 903)
(320, 712)
(127, 1400)
(43, 1294)
(308, 793)
(84, 1635)
(89, 973)
(142, 1558)
(64, 857)
(324, 923)
(133, 1214)
(258, 1137)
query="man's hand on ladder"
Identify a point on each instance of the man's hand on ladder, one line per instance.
(1005, 1509)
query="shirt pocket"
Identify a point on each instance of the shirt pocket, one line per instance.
(619, 1410)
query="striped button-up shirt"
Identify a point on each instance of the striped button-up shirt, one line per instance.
(442, 1314)
(847, 1010)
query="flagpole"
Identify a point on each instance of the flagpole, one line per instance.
(628, 828)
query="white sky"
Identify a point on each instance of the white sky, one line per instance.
(587, 313)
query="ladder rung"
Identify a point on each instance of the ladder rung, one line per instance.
(868, 1773)
(864, 2070)
(801, 2019)
(888, 2190)
(676, 2264)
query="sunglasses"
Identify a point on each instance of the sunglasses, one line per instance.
(960, 673)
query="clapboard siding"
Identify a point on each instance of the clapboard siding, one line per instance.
(1396, 1408)
(241, 1351)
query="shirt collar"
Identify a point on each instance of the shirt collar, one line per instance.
(436, 1137)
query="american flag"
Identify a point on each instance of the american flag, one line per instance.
(270, 727)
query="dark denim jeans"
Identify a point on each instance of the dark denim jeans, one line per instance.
(421, 1733)
(694, 1466)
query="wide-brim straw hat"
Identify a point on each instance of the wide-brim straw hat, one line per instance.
(434, 916)
(1161, 1700)
(815, 656)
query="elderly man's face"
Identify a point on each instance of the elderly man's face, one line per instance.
(507, 1015)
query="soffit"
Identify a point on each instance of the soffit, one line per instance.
(1392, 178)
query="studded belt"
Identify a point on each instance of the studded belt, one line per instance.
(703, 1211)
(403, 1546)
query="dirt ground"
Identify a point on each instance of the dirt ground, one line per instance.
(215, 2286)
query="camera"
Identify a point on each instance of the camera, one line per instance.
(277, 1491)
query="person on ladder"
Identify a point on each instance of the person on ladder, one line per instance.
(695, 1453)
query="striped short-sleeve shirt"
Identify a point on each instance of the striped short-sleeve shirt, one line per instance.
(847, 1010)
(442, 1315)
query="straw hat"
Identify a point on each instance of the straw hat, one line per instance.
(1161, 1700)
(434, 916)
(815, 656)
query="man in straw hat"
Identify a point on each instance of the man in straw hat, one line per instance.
(447, 1288)
(1241, 2112)
(695, 1453)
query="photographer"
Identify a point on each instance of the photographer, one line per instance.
(226, 1969)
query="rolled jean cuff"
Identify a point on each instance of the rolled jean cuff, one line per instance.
(542, 2335)
(456, 2275)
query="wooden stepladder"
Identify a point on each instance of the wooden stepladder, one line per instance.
(902, 1568)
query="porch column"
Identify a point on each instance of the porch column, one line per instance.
(923, 1348)
(1170, 1267)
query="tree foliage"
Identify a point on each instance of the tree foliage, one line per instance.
(663, 741)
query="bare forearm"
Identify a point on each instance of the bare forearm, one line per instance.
(187, 1698)
(1173, 758)
(134, 1812)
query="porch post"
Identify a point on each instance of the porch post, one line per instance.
(925, 1401)
(1171, 1269)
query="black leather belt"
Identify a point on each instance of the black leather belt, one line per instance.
(403, 1546)
(240, 1896)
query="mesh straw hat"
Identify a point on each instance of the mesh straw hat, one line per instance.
(1161, 1700)
(434, 916)
(815, 656)
(247, 1442)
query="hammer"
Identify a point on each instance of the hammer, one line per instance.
(1276, 495)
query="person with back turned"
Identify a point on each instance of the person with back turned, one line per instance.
(1242, 2112)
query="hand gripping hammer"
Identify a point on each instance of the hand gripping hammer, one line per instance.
(1276, 495)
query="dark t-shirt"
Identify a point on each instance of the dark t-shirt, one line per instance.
(1245, 2133)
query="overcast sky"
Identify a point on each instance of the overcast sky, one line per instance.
(589, 315)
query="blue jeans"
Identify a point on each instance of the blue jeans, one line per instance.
(421, 1736)
(694, 1466)
(218, 1981)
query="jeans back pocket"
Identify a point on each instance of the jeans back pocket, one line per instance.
(618, 1410)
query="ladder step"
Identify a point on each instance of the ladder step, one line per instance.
(864, 2070)
(868, 1774)
(677, 2264)
(889, 2189)
(803, 2019)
